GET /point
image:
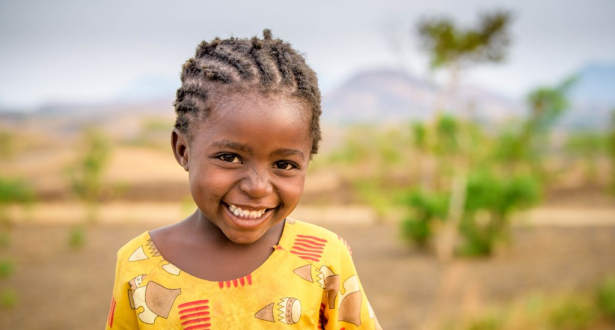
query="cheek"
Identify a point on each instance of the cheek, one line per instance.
(206, 185)
(293, 189)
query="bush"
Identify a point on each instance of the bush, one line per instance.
(8, 298)
(426, 208)
(606, 298)
(490, 322)
(572, 314)
(5, 240)
(416, 230)
(77, 237)
(14, 191)
(6, 268)
(490, 201)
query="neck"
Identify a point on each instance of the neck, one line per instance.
(208, 231)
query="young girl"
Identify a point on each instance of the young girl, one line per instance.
(247, 126)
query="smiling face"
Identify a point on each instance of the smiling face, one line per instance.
(247, 163)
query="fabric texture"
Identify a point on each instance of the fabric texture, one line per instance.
(308, 282)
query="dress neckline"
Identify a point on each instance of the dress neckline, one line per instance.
(270, 260)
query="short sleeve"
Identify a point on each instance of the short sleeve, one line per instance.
(121, 315)
(344, 303)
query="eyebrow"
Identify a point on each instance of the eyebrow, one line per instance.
(232, 145)
(283, 152)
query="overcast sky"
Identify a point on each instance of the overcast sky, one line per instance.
(92, 51)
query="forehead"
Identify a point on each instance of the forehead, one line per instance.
(253, 104)
(251, 118)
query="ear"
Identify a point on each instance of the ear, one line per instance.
(179, 143)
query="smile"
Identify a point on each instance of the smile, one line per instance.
(246, 214)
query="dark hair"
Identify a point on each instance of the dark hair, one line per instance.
(232, 65)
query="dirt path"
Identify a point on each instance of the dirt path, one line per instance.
(60, 288)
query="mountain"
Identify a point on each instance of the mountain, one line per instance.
(595, 85)
(391, 96)
(150, 88)
(379, 95)
(592, 98)
(373, 96)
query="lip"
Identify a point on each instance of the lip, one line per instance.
(248, 224)
(248, 207)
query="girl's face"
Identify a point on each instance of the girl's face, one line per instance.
(247, 163)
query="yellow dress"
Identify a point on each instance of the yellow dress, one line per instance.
(308, 282)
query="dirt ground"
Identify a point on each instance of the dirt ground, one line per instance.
(61, 288)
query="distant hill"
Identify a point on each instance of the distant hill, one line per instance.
(150, 88)
(373, 96)
(596, 85)
(388, 95)
(593, 98)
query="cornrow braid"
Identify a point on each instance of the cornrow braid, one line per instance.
(266, 65)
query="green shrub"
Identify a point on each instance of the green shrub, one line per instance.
(419, 135)
(87, 173)
(5, 240)
(77, 237)
(425, 208)
(7, 144)
(606, 298)
(490, 201)
(8, 298)
(15, 191)
(6, 268)
(489, 322)
(447, 131)
(416, 230)
(571, 314)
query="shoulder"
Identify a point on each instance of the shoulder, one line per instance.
(301, 236)
(299, 227)
(134, 246)
(138, 255)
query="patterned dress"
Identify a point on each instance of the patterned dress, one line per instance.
(308, 282)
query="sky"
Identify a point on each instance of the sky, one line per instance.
(69, 51)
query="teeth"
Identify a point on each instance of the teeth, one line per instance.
(237, 211)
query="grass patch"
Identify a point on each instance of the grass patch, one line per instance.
(8, 298)
(571, 311)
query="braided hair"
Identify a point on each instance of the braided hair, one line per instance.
(269, 66)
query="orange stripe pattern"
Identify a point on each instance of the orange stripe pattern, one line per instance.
(308, 247)
(111, 313)
(246, 280)
(195, 315)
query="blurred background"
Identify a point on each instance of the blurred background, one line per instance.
(468, 152)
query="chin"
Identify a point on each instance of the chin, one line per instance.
(243, 240)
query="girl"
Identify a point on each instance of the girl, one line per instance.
(247, 126)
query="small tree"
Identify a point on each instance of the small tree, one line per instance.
(458, 49)
(426, 210)
(7, 142)
(86, 175)
(13, 191)
(491, 200)
(546, 105)
(588, 147)
(611, 149)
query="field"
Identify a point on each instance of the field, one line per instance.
(564, 247)
(59, 287)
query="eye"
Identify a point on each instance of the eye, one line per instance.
(230, 158)
(284, 165)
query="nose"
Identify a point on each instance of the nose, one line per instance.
(256, 183)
